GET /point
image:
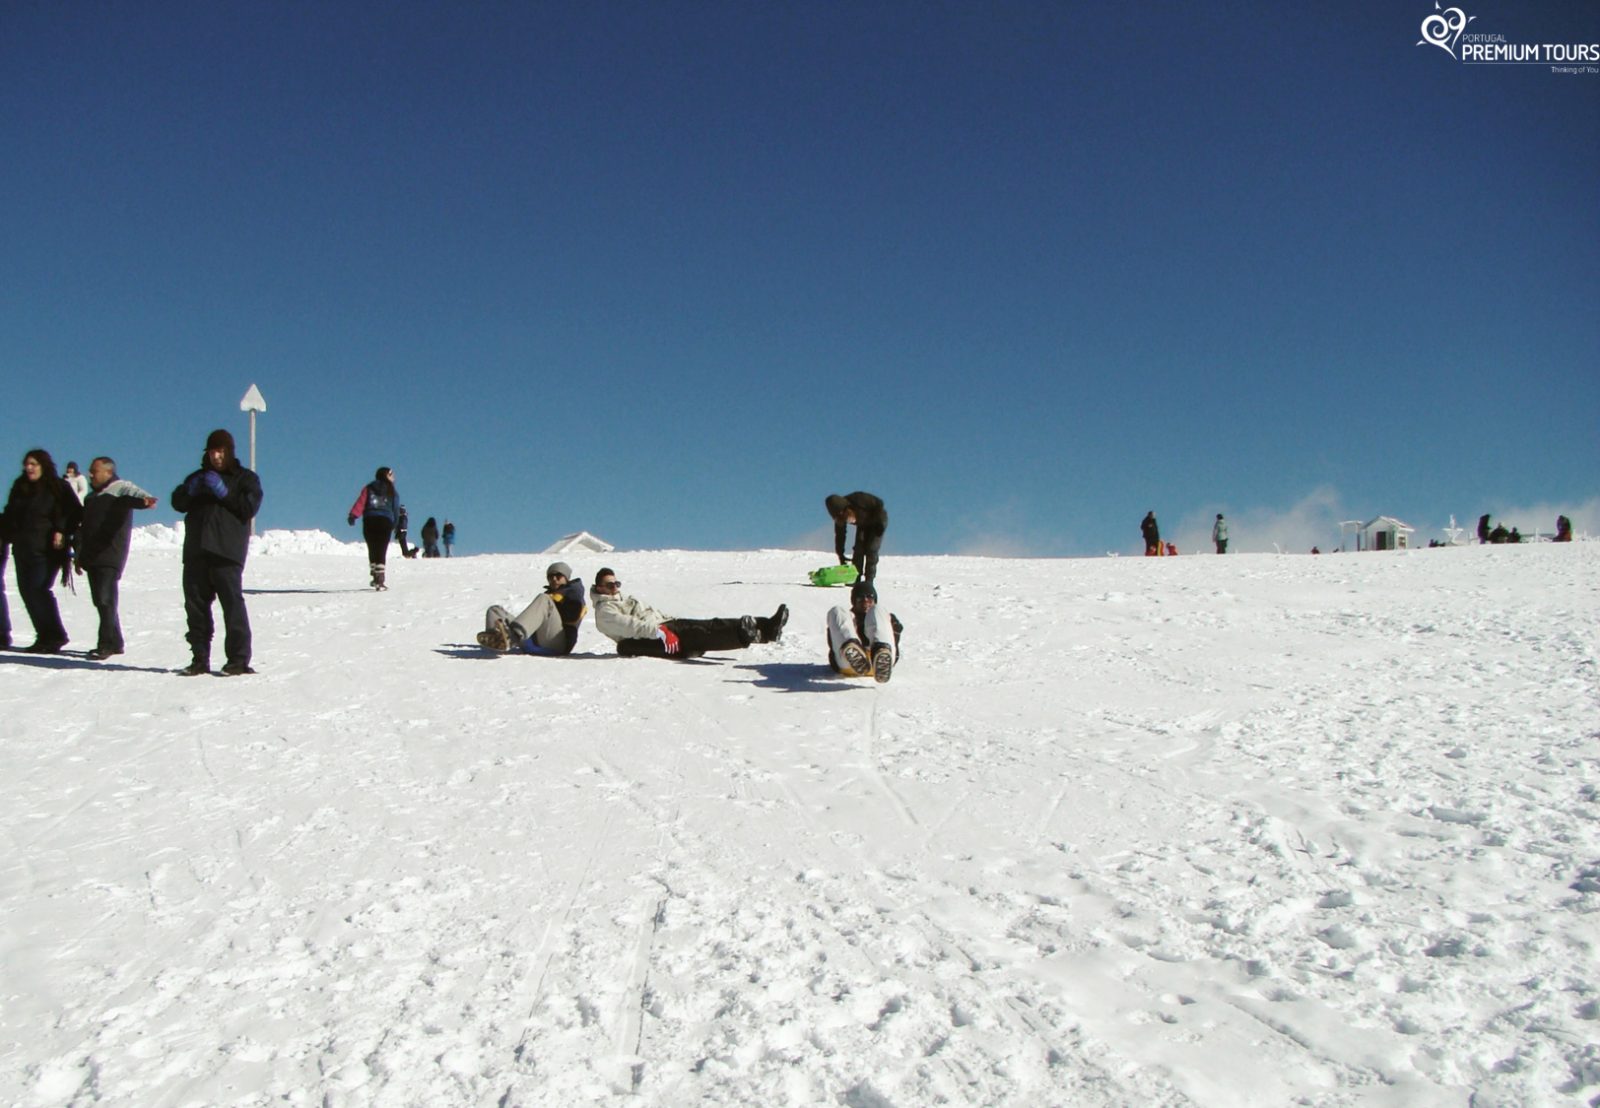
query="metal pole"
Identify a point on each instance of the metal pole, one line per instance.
(252, 458)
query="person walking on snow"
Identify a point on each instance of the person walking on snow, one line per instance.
(449, 536)
(863, 639)
(103, 546)
(219, 499)
(642, 632)
(867, 513)
(400, 534)
(76, 481)
(41, 516)
(378, 508)
(548, 626)
(1219, 534)
(430, 538)
(1152, 535)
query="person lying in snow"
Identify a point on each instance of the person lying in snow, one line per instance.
(548, 626)
(863, 639)
(642, 632)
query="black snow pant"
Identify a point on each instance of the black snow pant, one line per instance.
(1222, 546)
(376, 530)
(695, 637)
(103, 591)
(400, 537)
(36, 576)
(212, 578)
(865, 554)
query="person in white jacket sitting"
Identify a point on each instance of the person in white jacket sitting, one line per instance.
(863, 639)
(641, 631)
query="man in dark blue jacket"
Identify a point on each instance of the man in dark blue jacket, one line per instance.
(220, 499)
(548, 626)
(103, 546)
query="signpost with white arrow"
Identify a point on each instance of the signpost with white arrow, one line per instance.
(253, 402)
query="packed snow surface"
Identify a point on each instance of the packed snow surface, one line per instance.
(1251, 830)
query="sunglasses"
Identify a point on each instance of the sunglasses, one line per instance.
(611, 584)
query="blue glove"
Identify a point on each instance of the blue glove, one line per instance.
(214, 484)
(194, 484)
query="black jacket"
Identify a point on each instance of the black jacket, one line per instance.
(107, 527)
(218, 527)
(1150, 531)
(37, 510)
(872, 520)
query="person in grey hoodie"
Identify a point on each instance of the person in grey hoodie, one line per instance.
(103, 539)
(1219, 534)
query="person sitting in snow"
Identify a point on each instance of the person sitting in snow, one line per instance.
(863, 639)
(642, 632)
(548, 626)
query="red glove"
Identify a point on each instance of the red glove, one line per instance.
(668, 638)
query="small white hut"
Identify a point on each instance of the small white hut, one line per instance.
(580, 543)
(1380, 533)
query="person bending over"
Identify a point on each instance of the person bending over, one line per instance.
(863, 639)
(548, 626)
(641, 631)
(871, 519)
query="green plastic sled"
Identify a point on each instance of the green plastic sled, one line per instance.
(834, 575)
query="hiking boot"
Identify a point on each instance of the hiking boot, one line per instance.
(100, 654)
(377, 576)
(775, 623)
(45, 646)
(856, 662)
(495, 638)
(750, 630)
(195, 669)
(882, 662)
(515, 636)
(234, 669)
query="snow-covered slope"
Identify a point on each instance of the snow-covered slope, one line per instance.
(1217, 831)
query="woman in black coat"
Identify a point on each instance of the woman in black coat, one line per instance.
(378, 509)
(41, 516)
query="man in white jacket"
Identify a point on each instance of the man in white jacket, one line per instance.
(641, 631)
(1219, 534)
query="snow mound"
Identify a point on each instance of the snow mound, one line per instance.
(158, 536)
(273, 543)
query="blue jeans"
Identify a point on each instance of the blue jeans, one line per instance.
(5, 612)
(36, 575)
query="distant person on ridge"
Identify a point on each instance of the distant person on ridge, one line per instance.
(449, 536)
(642, 632)
(1219, 534)
(430, 538)
(400, 534)
(867, 513)
(1152, 535)
(1499, 535)
(103, 546)
(863, 639)
(1483, 528)
(77, 482)
(41, 517)
(378, 508)
(219, 499)
(548, 626)
(1563, 529)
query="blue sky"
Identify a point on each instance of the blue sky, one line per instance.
(672, 272)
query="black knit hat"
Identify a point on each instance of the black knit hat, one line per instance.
(863, 590)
